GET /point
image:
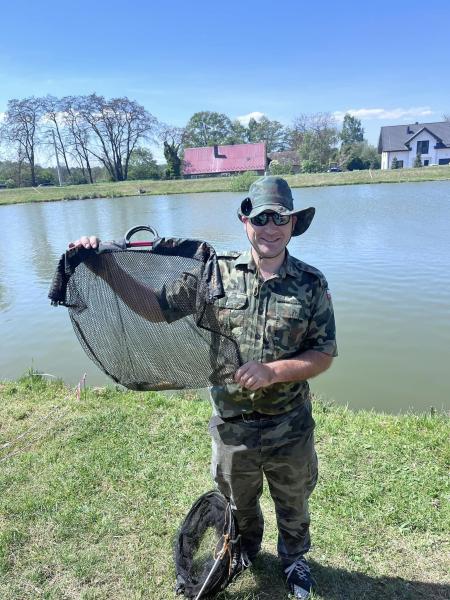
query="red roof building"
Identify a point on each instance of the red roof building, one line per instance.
(221, 160)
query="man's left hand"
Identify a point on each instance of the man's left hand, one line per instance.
(254, 375)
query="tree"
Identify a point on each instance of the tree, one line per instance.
(208, 129)
(315, 138)
(117, 125)
(318, 148)
(359, 155)
(78, 134)
(142, 165)
(16, 172)
(239, 133)
(352, 130)
(45, 176)
(172, 138)
(272, 133)
(21, 128)
(53, 118)
(311, 166)
(418, 161)
(394, 163)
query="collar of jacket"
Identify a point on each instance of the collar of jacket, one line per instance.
(245, 260)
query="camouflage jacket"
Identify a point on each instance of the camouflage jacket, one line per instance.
(275, 319)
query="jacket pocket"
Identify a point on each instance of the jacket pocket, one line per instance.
(287, 325)
(232, 309)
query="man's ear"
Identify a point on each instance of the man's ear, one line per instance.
(294, 221)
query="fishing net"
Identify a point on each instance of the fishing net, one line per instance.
(148, 317)
(208, 549)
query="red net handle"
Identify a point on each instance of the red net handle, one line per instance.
(134, 230)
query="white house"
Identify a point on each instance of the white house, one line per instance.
(430, 140)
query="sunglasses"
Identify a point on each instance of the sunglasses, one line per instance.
(263, 218)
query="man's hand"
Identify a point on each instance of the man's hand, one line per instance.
(254, 375)
(90, 241)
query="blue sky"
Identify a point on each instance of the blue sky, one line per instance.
(388, 61)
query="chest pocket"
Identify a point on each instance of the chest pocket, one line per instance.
(287, 325)
(232, 310)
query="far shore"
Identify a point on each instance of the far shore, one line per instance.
(213, 184)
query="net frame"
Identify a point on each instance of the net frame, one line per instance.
(226, 562)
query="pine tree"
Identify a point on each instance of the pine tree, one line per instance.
(394, 163)
(418, 161)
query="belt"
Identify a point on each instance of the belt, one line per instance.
(251, 416)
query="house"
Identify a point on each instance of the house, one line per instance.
(405, 142)
(225, 160)
(289, 158)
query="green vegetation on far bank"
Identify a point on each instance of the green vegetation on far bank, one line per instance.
(215, 184)
(92, 490)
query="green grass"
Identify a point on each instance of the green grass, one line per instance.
(214, 184)
(92, 494)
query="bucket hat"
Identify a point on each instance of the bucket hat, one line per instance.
(274, 194)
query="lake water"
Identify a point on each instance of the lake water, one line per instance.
(385, 250)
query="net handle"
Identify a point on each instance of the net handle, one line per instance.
(134, 230)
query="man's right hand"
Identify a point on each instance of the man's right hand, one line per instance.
(90, 241)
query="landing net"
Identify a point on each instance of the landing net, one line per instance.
(148, 317)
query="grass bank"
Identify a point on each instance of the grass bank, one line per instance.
(93, 491)
(214, 184)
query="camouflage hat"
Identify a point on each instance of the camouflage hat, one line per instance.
(274, 193)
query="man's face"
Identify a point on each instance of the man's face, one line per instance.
(269, 240)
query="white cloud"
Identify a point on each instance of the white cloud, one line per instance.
(384, 113)
(253, 115)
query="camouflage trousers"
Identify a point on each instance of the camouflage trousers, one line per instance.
(281, 448)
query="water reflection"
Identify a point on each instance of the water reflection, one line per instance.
(37, 225)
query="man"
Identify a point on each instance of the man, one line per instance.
(280, 311)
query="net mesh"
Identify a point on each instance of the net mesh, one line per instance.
(149, 318)
(207, 550)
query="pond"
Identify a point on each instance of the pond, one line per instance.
(385, 250)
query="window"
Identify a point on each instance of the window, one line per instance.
(422, 147)
(426, 162)
(444, 161)
(399, 164)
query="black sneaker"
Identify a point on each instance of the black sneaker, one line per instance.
(238, 567)
(298, 577)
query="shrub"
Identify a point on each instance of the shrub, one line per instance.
(277, 168)
(241, 183)
(394, 163)
(311, 166)
(418, 161)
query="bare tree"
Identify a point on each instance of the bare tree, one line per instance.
(446, 117)
(21, 127)
(53, 118)
(317, 123)
(77, 133)
(315, 137)
(117, 125)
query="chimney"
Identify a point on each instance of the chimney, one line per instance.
(216, 151)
